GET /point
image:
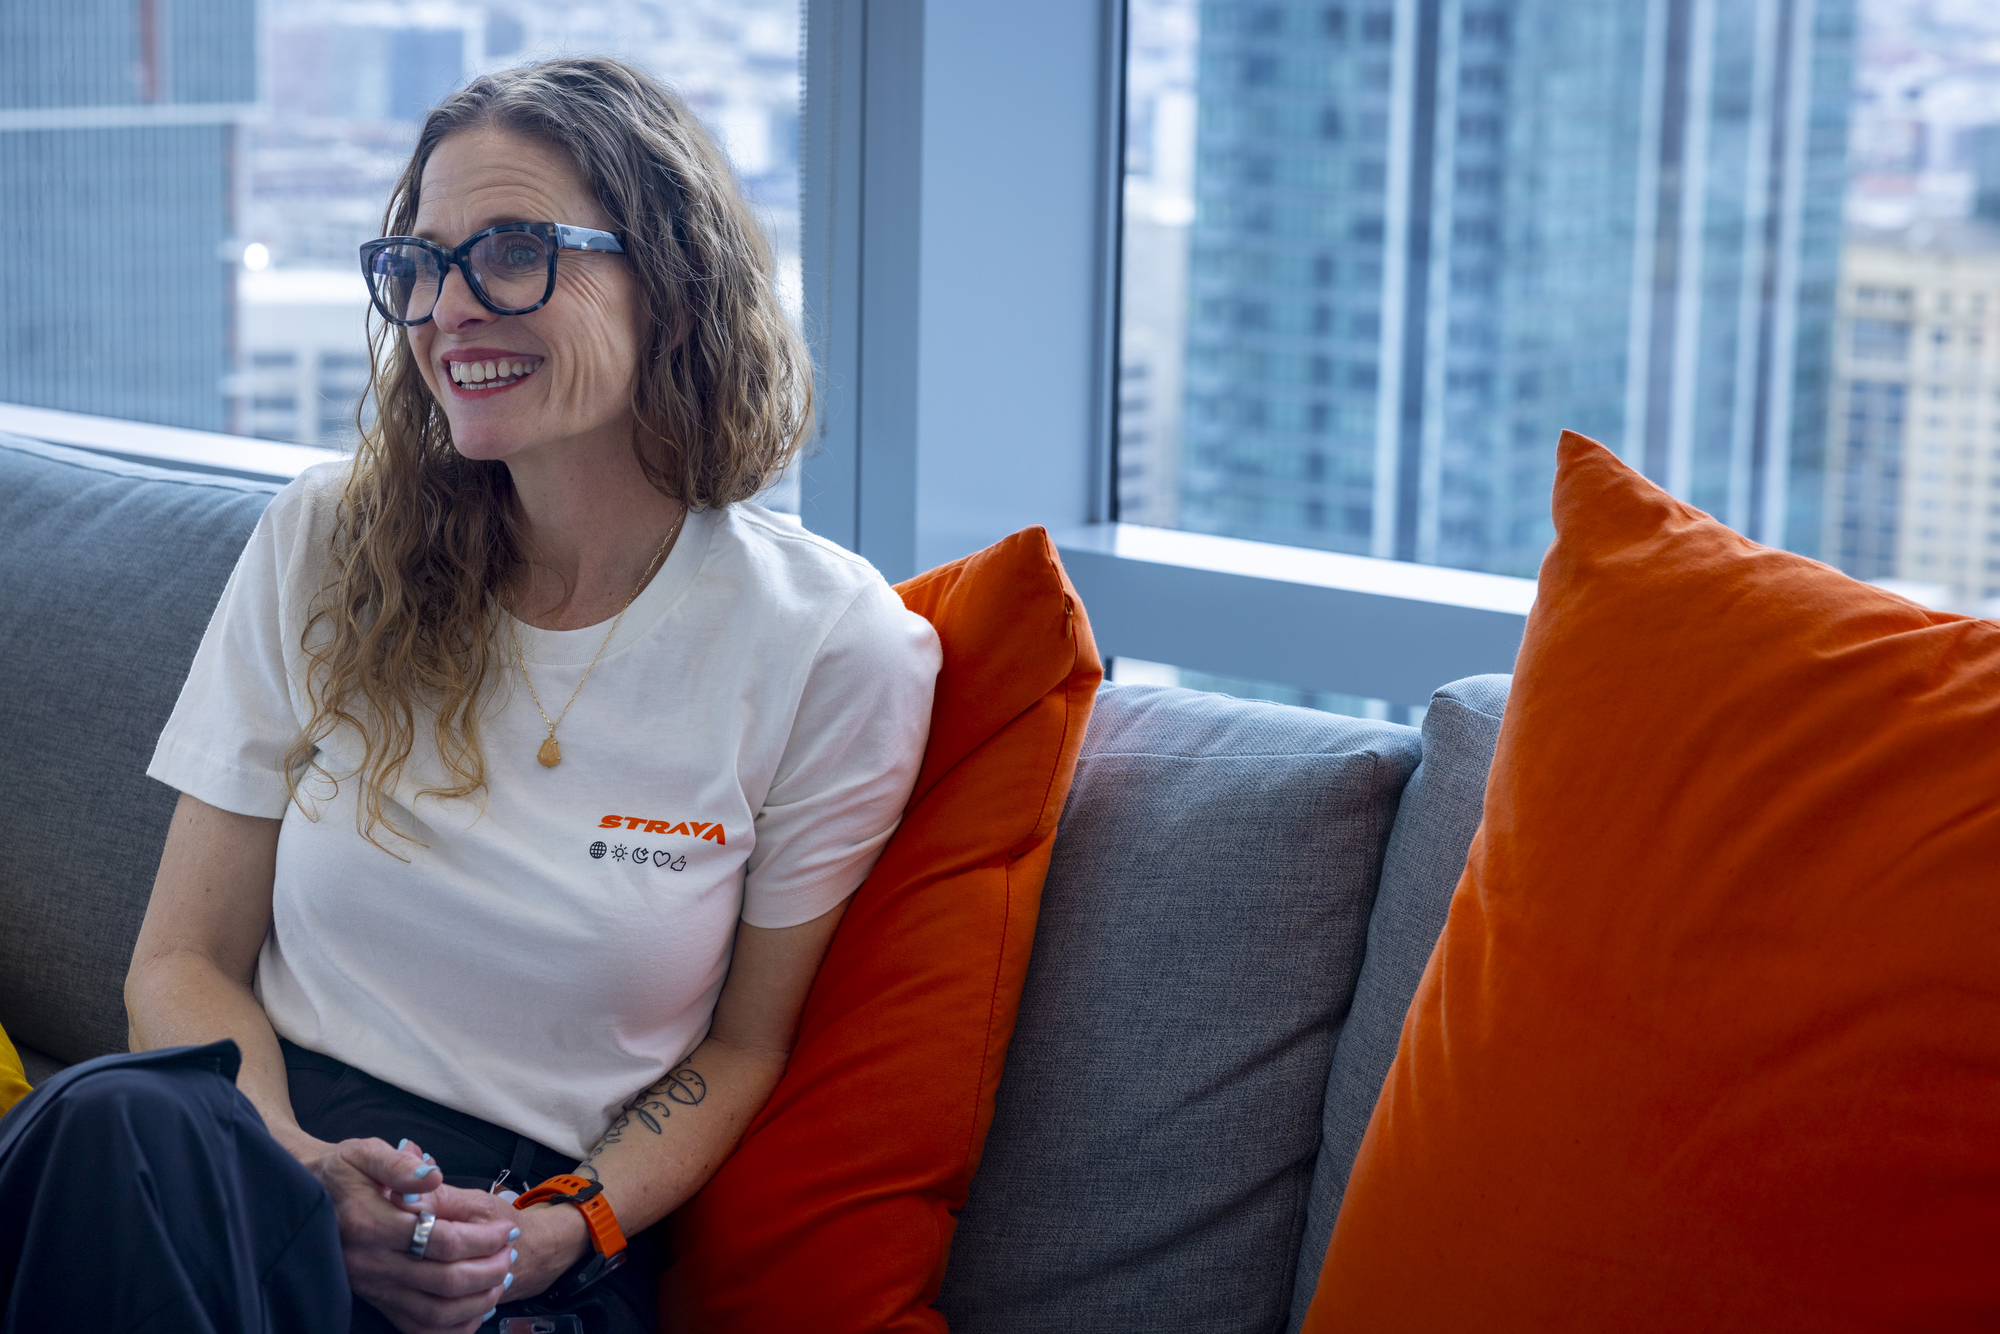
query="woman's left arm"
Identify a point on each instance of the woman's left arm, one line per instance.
(671, 1139)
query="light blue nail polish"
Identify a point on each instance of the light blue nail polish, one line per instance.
(488, 1316)
(411, 1199)
(429, 1159)
(507, 1283)
(424, 1171)
(513, 1257)
(401, 1145)
(515, 1235)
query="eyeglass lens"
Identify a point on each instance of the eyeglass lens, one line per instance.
(509, 269)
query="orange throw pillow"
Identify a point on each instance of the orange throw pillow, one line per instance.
(1711, 1040)
(836, 1211)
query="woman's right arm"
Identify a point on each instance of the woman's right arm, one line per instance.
(190, 982)
(196, 959)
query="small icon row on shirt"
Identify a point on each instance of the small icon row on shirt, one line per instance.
(660, 857)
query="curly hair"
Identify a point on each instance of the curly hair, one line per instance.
(425, 538)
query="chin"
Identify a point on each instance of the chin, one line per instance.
(489, 440)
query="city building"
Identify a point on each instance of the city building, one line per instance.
(305, 350)
(119, 131)
(1914, 454)
(1428, 236)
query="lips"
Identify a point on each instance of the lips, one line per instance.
(477, 371)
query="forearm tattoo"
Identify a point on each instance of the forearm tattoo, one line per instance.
(682, 1087)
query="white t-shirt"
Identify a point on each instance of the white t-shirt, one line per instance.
(743, 749)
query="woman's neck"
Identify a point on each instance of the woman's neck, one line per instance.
(593, 527)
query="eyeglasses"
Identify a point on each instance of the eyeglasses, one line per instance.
(510, 268)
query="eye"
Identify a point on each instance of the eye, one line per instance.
(520, 255)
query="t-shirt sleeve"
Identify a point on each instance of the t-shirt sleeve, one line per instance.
(847, 770)
(226, 739)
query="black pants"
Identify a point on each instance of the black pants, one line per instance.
(142, 1193)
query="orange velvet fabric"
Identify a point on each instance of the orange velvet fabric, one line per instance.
(836, 1211)
(1711, 1040)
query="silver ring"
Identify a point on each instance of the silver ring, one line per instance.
(420, 1236)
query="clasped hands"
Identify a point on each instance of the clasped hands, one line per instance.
(482, 1251)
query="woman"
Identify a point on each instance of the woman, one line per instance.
(526, 767)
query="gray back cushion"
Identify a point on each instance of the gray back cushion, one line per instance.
(108, 573)
(1201, 929)
(1434, 826)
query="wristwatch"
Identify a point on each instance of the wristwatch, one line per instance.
(607, 1240)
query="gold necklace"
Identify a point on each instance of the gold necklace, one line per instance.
(549, 755)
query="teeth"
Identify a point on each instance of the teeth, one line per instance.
(480, 372)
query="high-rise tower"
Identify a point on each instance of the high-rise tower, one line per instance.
(1430, 234)
(118, 132)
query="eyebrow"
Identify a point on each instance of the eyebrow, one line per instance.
(430, 234)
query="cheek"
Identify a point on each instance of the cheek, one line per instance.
(419, 341)
(598, 344)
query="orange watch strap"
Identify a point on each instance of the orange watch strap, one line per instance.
(606, 1237)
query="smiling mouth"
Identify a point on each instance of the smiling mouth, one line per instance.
(498, 373)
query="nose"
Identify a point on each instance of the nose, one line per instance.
(457, 308)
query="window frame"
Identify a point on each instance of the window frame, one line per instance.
(920, 317)
(961, 187)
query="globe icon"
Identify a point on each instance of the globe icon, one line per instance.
(597, 849)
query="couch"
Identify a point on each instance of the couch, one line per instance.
(1242, 898)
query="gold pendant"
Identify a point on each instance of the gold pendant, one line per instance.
(550, 754)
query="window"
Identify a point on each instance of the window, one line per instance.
(269, 142)
(1507, 255)
(1880, 340)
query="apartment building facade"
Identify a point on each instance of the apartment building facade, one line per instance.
(1914, 453)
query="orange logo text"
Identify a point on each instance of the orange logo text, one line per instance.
(692, 828)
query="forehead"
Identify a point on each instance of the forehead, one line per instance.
(477, 178)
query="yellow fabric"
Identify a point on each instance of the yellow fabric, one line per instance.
(13, 1083)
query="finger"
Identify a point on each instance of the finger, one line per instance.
(411, 1146)
(469, 1206)
(423, 1313)
(460, 1278)
(424, 1295)
(370, 1222)
(451, 1241)
(404, 1173)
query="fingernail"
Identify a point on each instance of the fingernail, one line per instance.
(429, 1159)
(401, 1145)
(513, 1257)
(505, 1284)
(515, 1235)
(411, 1199)
(488, 1316)
(424, 1171)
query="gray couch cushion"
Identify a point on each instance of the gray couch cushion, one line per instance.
(37, 1066)
(108, 573)
(1200, 932)
(1434, 826)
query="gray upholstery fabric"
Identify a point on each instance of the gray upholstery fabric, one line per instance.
(108, 573)
(1200, 933)
(1434, 826)
(37, 1066)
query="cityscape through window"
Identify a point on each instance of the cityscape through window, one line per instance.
(1376, 256)
(192, 181)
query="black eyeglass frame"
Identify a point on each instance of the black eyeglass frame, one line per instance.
(559, 236)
